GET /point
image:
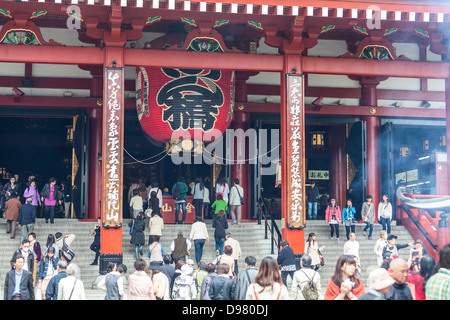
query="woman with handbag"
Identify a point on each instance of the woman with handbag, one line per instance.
(333, 216)
(286, 261)
(71, 287)
(236, 202)
(312, 249)
(368, 215)
(220, 224)
(348, 218)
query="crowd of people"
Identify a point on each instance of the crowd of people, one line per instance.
(47, 271)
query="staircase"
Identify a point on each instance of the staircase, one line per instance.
(333, 250)
(250, 235)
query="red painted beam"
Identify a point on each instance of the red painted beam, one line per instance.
(432, 70)
(53, 55)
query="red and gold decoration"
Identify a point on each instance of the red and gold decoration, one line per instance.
(174, 103)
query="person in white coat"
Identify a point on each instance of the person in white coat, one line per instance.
(71, 287)
(236, 202)
(302, 277)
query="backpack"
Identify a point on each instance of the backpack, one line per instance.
(176, 194)
(310, 291)
(66, 253)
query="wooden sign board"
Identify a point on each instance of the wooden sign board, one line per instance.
(112, 155)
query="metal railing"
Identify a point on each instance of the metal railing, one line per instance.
(270, 224)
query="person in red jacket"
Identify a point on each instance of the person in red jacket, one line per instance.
(344, 284)
(333, 216)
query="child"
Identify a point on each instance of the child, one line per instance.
(47, 269)
(219, 204)
(136, 204)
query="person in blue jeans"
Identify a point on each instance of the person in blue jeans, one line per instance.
(220, 224)
(183, 188)
(312, 195)
(385, 213)
(348, 218)
(199, 235)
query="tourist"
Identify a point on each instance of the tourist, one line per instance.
(348, 218)
(137, 235)
(50, 196)
(154, 205)
(95, 245)
(184, 287)
(268, 284)
(199, 275)
(155, 187)
(112, 283)
(50, 243)
(136, 204)
(236, 202)
(139, 283)
(245, 279)
(204, 293)
(66, 190)
(199, 235)
(387, 258)
(35, 246)
(234, 244)
(379, 283)
(398, 269)
(220, 225)
(142, 191)
(222, 188)
(312, 249)
(219, 204)
(379, 246)
(385, 213)
(438, 286)
(10, 188)
(156, 225)
(180, 247)
(167, 267)
(393, 247)
(206, 203)
(368, 215)
(47, 269)
(27, 254)
(24, 290)
(27, 219)
(312, 197)
(344, 284)
(179, 194)
(156, 251)
(12, 209)
(221, 287)
(286, 261)
(351, 247)
(161, 285)
(333, 216)
(52, 288)
(176, 273)
(425, 269)
(227, 258)
(71, 287)
(303, 277)
(32, 192)
(197, 197)
(134, 186)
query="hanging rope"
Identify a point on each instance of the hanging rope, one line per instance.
(142, 161)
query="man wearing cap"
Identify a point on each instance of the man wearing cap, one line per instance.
(233, 243)
(393, 247)
(160, 282)
(379, 283)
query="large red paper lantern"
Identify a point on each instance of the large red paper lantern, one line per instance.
(183, 101)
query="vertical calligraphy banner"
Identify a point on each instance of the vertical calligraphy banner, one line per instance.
(112, 155)
(295, 183)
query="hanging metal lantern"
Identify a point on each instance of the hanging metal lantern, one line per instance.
(184, 102)
(317, 140)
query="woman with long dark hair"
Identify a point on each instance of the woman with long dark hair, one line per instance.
(197, 197)
(344, 284)
(385, 213)
(268, 284)
(312, 249)
(220, 224)
(420, 278)
(333, 216)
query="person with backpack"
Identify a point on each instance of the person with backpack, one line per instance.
(306, 282)
(63, 243)
(222, 286)
(179, 194)
(245, 278)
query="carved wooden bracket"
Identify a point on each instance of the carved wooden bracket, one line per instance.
(375, 49)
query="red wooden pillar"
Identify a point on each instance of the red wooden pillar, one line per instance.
(295, 236)
(447, 117)
(369, 98)
(95, 150)
(338, 174)
(240, 170)
(111, 233)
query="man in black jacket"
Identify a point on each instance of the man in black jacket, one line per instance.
(27, 218)
(52, 289)
(25, 290)
(398, 270)
(312, 195)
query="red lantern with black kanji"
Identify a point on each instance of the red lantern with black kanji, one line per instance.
(173, 102)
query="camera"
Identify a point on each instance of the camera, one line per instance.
(348, 283)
